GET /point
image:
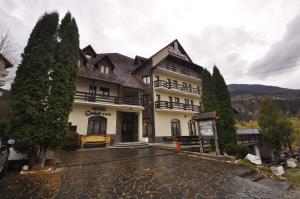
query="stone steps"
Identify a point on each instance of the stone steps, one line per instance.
(131, 145)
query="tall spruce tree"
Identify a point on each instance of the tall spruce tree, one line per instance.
(208, 96)
(30, 89)
(63, 81)
(226, 122)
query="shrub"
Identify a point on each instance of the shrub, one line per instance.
(239, 151)
(72, 141)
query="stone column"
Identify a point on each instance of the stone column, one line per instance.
(140, 126)
(257, 153)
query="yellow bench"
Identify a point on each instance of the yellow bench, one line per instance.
(94, 139)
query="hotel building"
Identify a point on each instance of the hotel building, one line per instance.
(140, 99)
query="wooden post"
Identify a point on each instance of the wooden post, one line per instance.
(216, 138)
(200, 137)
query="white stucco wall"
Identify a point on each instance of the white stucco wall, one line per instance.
(78, 118)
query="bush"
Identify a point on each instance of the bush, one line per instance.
(239, 151)
(72, 141)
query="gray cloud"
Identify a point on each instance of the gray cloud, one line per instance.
(222, 46)
(230, 35)
(283, 53)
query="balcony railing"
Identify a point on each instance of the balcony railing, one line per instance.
(179, 87)
(177, 106)
(93, 97)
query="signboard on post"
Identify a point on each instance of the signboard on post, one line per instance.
(207, 129)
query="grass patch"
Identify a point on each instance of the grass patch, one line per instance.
(293, 174)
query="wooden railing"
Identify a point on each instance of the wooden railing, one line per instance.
(178, 106)
(248, 138)
(93, 97)
(179, 87)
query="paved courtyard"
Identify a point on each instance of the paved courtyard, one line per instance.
(136, 173)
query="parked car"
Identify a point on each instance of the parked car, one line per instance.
(4, 154)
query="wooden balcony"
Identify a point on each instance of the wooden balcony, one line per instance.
(165, 105)
(178, 87)
(97, 98)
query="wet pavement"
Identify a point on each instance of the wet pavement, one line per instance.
(136, 173)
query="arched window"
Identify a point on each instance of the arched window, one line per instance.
(97, 125)
(175, 127)
(192, 128)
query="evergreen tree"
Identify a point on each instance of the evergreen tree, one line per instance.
(29, 92)
(63, 81)
(276, 128)
(226, 122)
(208, 97)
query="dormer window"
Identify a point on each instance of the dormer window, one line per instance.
(104, 69)
(88, 56)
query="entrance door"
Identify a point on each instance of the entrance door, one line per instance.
(129, 127)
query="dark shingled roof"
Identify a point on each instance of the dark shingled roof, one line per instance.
(123, 66)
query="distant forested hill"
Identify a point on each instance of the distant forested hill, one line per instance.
(246, 98)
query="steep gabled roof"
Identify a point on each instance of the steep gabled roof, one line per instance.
(90, 49)
(8, 64)
(173, 49)
(174, 44)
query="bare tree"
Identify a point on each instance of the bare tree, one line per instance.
(8, 48)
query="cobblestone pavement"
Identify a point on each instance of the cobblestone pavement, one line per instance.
(158, 175)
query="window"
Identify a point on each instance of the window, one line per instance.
(168, 66)
(176, 100)
(157, 97)
(173, 68)
(169, 83)
(184, 85)
(175, 127)
(97, 125)
(146, 79)
(192, 105)
(190, 87)
(104, 69)
(88, 56)
(92, 93)
(170, 102)
(192, 128)
(186, 104)
(175, 84)
(104, 91)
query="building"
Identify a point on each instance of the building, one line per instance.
(140, 99)
(4, 64)
(250, 137)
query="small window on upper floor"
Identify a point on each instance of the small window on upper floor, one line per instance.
(173, 68)
(88, 56)
(104, 91)
(104, 69)
(146, 79)
(167, 66)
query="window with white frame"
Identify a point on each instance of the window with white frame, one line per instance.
(146, 79)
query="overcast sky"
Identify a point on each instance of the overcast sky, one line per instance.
(251, 41)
